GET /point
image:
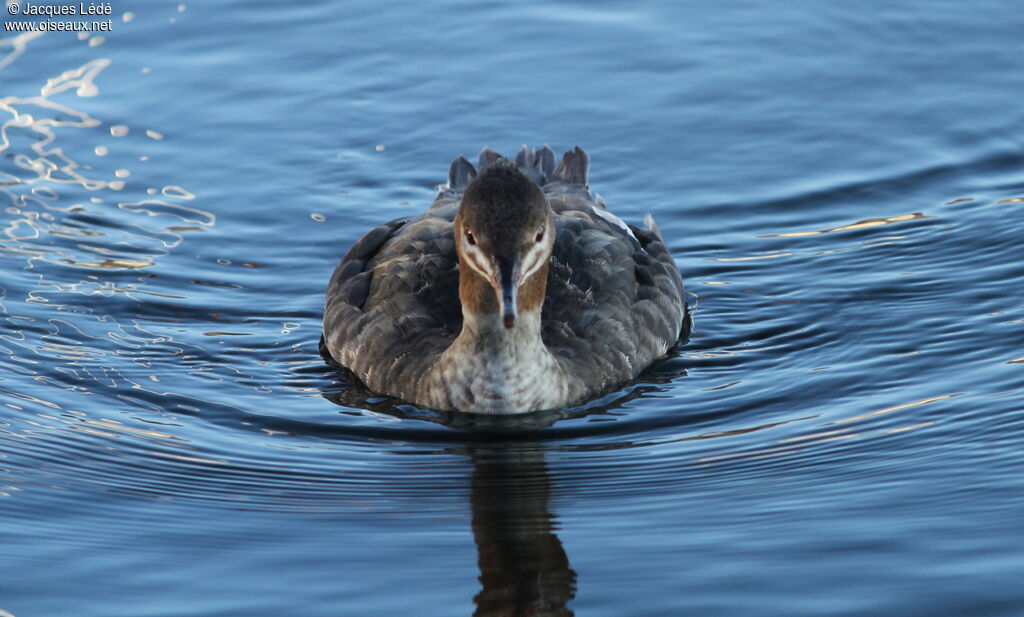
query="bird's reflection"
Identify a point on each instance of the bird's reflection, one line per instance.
(524, 569)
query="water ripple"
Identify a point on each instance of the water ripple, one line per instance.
(159, 338)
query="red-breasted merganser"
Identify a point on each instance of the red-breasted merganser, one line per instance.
(516, 291)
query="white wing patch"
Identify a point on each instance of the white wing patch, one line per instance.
(614, 220)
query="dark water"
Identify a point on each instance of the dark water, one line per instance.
(842, 187)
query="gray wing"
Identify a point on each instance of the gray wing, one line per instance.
(615, 299)
(392, 304)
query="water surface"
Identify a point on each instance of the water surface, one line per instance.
(842, 188)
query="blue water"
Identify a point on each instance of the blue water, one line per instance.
(842, 187)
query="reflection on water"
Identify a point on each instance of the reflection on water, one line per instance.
(82, 239)
(15, 46)
(41, 168)
(864, 224)
(524, 569)
(58, 210)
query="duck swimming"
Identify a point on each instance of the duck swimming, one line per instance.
(516, 291)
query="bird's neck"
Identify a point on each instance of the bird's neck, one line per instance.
(483, 339)
(481, 313)
(490, 368)
(493, 368)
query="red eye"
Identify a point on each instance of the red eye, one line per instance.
(540, 235)
(470, 238)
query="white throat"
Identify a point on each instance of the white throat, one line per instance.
(492, 369)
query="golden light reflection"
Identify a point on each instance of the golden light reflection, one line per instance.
(896, 408)
(117, 426)
(794, 445)
(112, 429)
(110, 263)
(903, 429)
(862, 224)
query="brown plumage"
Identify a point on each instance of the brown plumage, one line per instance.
(517, 290)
